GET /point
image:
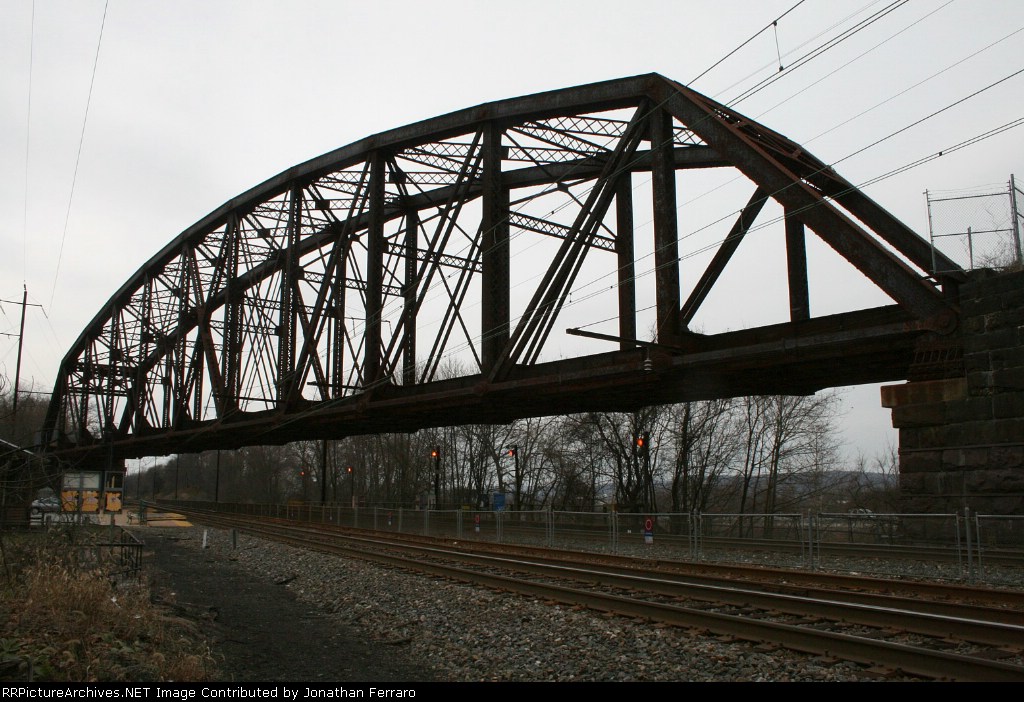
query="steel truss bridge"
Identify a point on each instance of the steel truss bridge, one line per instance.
(372, 289)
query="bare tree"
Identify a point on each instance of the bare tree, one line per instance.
(703, 437)
(629, 468)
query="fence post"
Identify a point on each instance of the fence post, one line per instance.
(970, 555)
(614, 532)
(812, 533)
(691, 533)
(977, 541)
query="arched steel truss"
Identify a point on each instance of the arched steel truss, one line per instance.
(296, 309)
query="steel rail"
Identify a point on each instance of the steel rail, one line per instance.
(936, 593)
(910, 659)
(992, 625)
(879, 611)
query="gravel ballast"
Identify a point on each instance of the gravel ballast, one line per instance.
(465, 634)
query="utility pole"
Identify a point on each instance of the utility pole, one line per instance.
(21, 342)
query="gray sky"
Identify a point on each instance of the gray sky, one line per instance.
(195, 101)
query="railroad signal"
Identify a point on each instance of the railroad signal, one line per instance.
(512, 451)
(349, 470)
(435, 452)
(641, 440)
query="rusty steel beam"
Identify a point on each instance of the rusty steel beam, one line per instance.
(625, 255)
(495, 278)
(729, 134)
(722, 256)
(318, 277)
(666, 230)
(796, 268)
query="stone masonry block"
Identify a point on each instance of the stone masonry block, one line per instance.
(920, 461)
(1002, 359)
(929, 415)
(911, 483)
(1008, 457)
(1005, 319)
(1009, 379)
(988, 282)
(977, 361)
(910, 439)
(973, 324)
(980, 306)
(980, 383)
(1007, 405)
(991, 341)
(968, 459)
(920, 392)
(969, 410)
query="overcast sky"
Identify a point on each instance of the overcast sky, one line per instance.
(195, 101)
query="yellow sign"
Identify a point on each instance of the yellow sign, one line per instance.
(90, 500)
(113, 502)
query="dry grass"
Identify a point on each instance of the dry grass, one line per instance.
(64, 621)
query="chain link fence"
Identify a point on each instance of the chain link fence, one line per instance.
(957, 546)
(979, 228)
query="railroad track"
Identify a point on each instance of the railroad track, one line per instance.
(941, 632)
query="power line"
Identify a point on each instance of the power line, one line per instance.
(933, 114)
(823, 32)
(859, 57)
(915, 85)
(818, 51)
(908, 127)
(28, 142)
(78, 158)
(773, 23)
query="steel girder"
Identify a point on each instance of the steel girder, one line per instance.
(296, 310)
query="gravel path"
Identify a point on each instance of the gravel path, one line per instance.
(428, 628)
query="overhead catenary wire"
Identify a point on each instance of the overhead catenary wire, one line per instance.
(771, 25)
(28, 143)
(815, 53)
(766, 26)
(456, 350)
(995, 131)
(861, 55)
(844, 158)
(78, 156)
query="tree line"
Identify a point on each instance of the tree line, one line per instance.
(747, 455)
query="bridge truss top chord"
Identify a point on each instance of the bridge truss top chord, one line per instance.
(372, 288)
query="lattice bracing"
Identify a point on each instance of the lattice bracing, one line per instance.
(425, 276)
